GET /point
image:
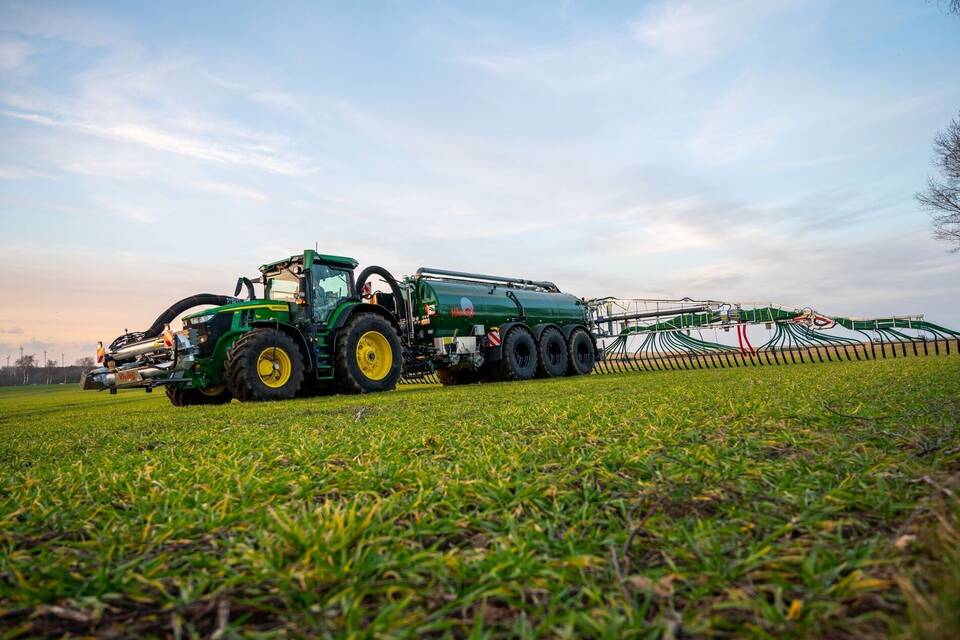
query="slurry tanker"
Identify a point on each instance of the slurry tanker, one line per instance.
(317, 329)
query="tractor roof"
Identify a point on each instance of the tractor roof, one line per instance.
(310, 256)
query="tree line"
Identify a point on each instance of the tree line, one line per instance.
(28, 369)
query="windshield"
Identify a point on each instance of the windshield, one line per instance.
(282, 286)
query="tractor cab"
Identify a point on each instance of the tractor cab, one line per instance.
(314, 283)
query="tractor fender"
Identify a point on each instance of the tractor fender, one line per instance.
(366, 307)
(294, 333)
(496, 353)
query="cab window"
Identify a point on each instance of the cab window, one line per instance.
(329, 286)
(284, 285)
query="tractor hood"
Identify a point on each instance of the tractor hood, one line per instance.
(260, 308)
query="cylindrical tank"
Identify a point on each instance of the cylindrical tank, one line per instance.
(458, 306)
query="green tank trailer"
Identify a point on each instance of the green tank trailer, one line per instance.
(318, 329)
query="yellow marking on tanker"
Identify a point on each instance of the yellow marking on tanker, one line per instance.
(271, 307)
(374, 355)
(274, 367)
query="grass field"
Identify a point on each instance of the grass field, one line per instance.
(793, 501)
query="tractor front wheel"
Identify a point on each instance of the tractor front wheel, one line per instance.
(369, 355)
(264, 364)
(185, 396)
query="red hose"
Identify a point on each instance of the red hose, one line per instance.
(747, 340)
(740, 338)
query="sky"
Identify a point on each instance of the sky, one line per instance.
(750, 150)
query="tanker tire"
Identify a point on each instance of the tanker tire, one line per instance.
(350, 378)
(241, 366)
(580, 353)
(186, 397)
(552, 351)
(519, 355)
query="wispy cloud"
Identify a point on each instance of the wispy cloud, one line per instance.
(8, 172)
(14, 53)
(232, 190)
(177, 142)
(703, 29)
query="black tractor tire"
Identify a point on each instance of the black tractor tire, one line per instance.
(250, 352)
(519, 355)
(580, 352)
(187, 397)
(373, 328)
(454, 377)
(552, 352)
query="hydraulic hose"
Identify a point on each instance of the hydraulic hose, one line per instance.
(245, 282)
(169, 315)
(390, 280)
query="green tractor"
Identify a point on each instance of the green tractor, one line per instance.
(319, 330)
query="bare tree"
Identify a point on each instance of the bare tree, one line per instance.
(27, 362)
(949, 6)
(87, 361)
(49, 369)
(942, 197)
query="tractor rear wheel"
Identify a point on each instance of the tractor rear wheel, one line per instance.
(264, 364)
(581, 353)
(519, 355)
(369, 355)
(552, 349)
(186, 396)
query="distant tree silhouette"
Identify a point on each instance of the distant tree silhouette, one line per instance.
(26, 363)
(28, 360)
(942, 197)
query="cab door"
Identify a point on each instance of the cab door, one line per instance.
(329, 286)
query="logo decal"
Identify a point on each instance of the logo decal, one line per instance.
(465, 310)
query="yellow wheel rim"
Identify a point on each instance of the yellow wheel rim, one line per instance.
(274, 367)
(212, 391)
(374, 355)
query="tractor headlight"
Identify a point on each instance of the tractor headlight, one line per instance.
(202, 319)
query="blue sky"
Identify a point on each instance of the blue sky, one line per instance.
(748, 150)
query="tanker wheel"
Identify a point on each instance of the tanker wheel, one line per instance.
(264, 364)
(581, 354)
(519, 355)
(369, 355)
(186, 396)
(552, 349)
